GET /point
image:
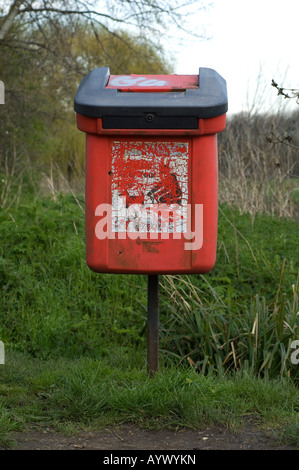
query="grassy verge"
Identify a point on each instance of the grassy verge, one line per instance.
(90, 394)
(75, 341)
(53, 305)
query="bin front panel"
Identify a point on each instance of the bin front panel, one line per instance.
(142, 213)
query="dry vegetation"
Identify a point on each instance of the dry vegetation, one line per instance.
(258, 157)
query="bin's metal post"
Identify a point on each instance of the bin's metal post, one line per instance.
(153, 324)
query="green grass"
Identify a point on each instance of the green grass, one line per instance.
(75, 341)
(52, 304)
(91, 393)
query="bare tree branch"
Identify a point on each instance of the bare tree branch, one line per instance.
(282, 91)
(142, 14)
(8, 21)
(278, 140)
(287, 140)
(291, 175)
(274, 139)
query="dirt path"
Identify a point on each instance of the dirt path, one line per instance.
(130, 437)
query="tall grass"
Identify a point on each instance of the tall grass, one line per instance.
(215, 335)
(243, 314)
(254, 171)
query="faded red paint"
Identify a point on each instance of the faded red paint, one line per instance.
(152, 83)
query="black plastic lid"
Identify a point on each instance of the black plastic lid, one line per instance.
(151, 110)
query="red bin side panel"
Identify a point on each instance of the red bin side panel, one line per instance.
(151, 203)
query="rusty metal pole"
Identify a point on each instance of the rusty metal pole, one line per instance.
(153, 324)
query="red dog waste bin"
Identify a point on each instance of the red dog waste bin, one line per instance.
(151, 170)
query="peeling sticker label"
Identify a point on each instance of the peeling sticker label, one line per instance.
(133, 81)
(153, 82)
(149, 186)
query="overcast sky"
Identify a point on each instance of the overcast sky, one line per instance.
(251, 43)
